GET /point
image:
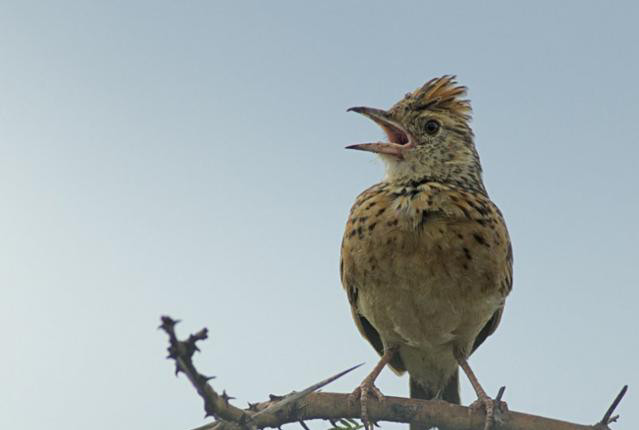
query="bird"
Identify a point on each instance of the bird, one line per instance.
(426, 258)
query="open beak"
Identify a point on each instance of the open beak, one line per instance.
(399, 140)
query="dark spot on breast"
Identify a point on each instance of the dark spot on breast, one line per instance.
(352, 233)
(380, 211)
(341, 268)
(465, 266)
(480, 239)
(461, 236)
(362, 218)
(481, 208)
(467, 254)
(371, 227)
(392, 223)
(370, 205)
(360, 232)
(465, 212)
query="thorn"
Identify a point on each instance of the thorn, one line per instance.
(326, 381)
(608, 415)
(206, 379)
(190, 344)
(177, 369)
(275, 398)
(303, 424)
(168, 323)
(253, 406)
(295, 396)
(500, 393)
(226, 397)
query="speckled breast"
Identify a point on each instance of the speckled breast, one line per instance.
(426, 263)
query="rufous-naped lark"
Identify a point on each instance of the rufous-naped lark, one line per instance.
(426, 259)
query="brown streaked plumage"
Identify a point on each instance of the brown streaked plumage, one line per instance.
(426, 258)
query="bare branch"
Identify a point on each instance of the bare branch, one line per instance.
(297, 407)
(215, 405)
(430, 413)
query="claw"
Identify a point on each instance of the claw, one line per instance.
(367, 387)
(363, 392)
(490, 406)
(483, 400)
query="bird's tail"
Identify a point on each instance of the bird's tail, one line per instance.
(450, 393)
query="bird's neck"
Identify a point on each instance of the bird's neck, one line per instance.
(464, 173)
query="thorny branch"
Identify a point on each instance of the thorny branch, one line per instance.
(309, 404)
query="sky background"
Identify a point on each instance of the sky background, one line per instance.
(186, 158)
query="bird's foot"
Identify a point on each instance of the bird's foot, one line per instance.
(363, 392)
(492, 407)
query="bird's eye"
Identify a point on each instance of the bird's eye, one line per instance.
(431, 127)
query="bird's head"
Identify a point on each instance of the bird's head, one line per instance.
(428, 134)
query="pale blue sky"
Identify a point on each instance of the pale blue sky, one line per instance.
(186, 157)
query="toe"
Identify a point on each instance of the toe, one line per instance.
(489, 407)
(364, 392)
(376, 393)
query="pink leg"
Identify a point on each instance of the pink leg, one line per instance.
(367, 387)
(482, 398)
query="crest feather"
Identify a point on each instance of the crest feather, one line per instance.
(442, 93)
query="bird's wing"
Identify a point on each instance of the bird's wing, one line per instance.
(494, 321)
(488, 329)
(366, 201)
(369, 332)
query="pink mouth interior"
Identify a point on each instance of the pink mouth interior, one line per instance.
(395, 135)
